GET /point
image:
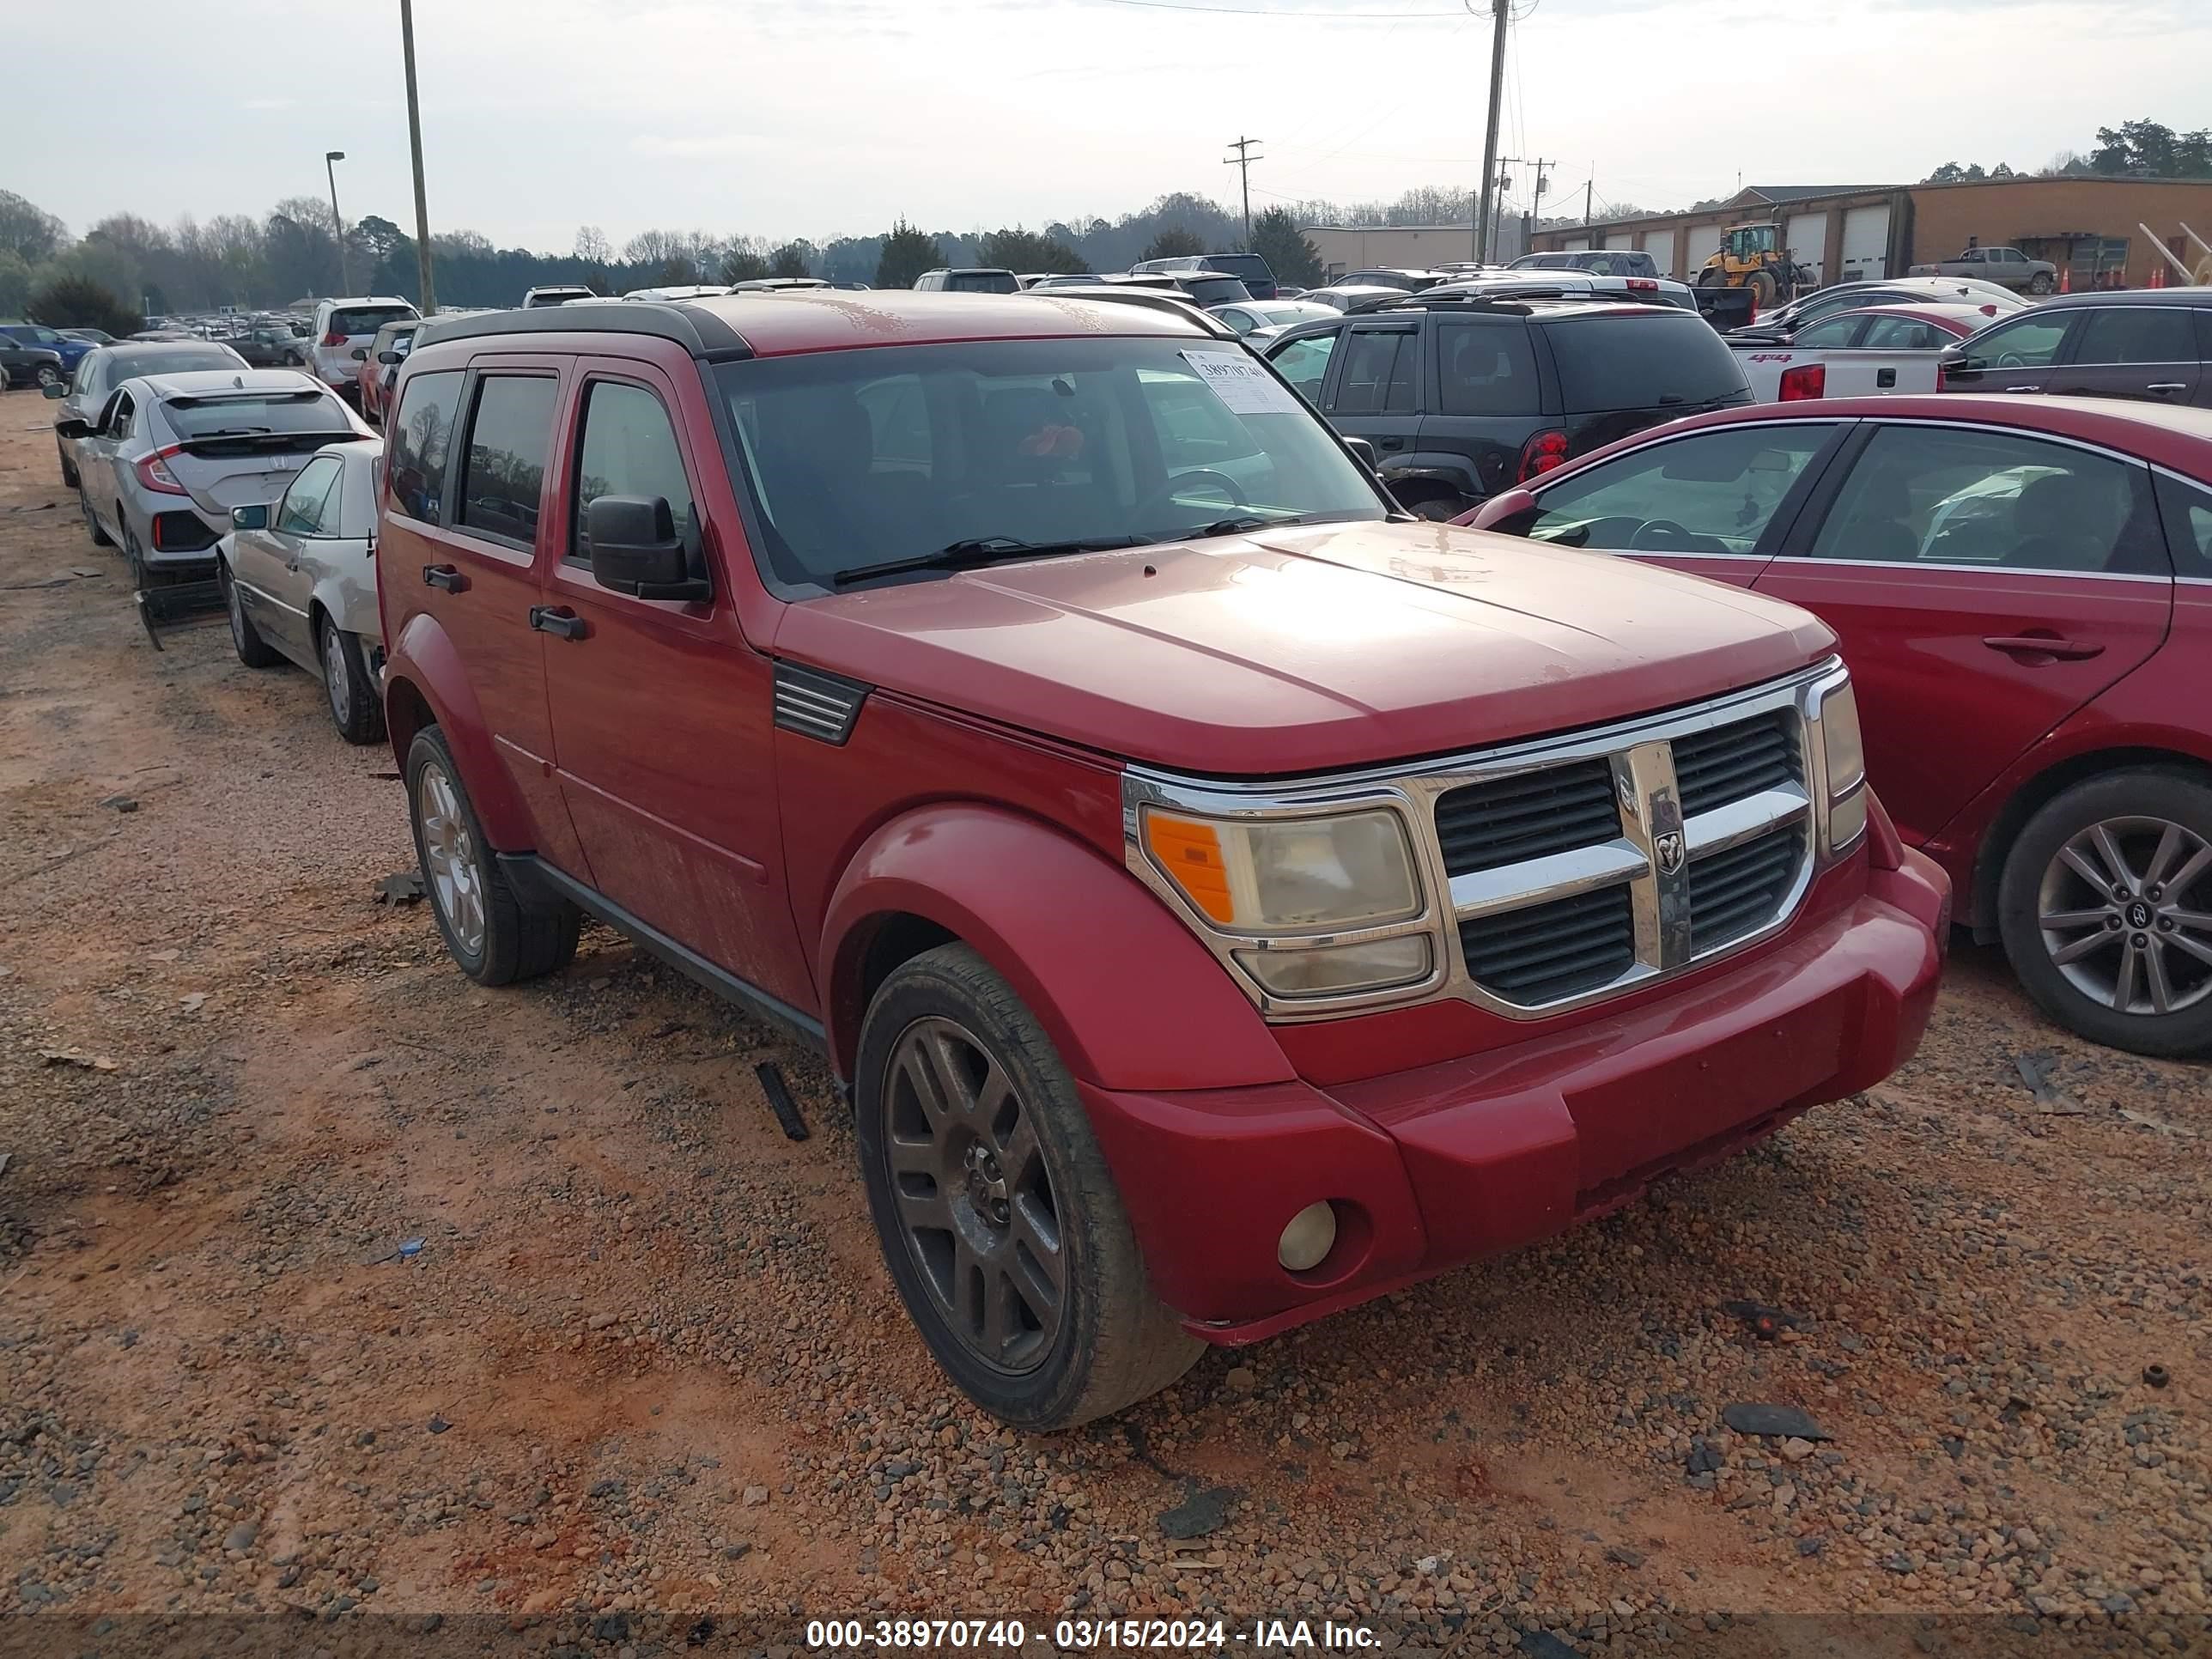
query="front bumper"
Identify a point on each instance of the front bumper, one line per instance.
(1434, 1167)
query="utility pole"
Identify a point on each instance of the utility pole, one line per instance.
(1243, 162)
(1589, 189)
(1500, 10)
(331, 159)
(1535, 195)
(415, 142)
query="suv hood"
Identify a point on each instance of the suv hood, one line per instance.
(1309, 649)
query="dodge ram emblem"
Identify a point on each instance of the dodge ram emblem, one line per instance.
(1669, 847)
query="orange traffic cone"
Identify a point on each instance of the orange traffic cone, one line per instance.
(2066, 277)
(2158, 276)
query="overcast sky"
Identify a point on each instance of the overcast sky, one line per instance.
(817, 118)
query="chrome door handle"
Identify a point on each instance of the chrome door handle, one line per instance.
(2023, 388)
(2167, 385)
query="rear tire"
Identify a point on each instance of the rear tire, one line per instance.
(68, 471)
(487, 931)
(245, 639)
(1762, 289)
(133, 555)
(2141, 932)
(965, 1116)
(1434, 507)
(348, 686)
(2040, 283)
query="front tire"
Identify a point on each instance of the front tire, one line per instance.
(999, 1219)
(2106, 909)
(245, 638)
(100, 538)
(49, 375)
(349, 687)
(1762, 289)
(487, 931)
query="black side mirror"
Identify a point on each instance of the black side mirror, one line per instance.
(249, 517)
(635, 549)
(54, 389)
(360, 353)
(387, 357)
(73, 428)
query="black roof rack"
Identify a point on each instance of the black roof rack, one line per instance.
(1515, 297)
(698, 331)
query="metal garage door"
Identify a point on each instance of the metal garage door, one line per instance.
(1806, 237)
(1866, 244)
(1659, 245)
(1575, 243)
(1705, 241)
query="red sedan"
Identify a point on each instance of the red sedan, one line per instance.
(2023, 588)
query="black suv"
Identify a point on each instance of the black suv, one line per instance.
(1461, 398)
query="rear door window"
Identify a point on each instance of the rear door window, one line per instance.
(504, 464)
(1377, 377)
(1714, 492)
(1486, 367)
(2137, 334)
(418, 441)
(1640, 360)
(1951, 495)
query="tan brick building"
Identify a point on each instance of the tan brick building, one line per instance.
(2088, 226)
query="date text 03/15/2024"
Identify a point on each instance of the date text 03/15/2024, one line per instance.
(996, 1636)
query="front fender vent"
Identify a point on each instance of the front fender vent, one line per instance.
(816, 705)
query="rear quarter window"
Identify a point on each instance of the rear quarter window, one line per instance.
(419, 441)
(1640, 360)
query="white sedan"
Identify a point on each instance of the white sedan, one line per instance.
(299, 580)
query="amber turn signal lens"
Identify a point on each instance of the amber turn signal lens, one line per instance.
(1190, 853)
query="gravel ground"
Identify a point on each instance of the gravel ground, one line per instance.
(645, 1364)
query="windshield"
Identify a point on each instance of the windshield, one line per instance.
(251, 415)
(860, 458)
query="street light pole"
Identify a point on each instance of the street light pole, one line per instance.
(331, 159)
(415, 143)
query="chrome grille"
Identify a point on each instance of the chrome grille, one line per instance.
(1551, 951)
(1736, 892)
(1729, 763)
(1526, 816)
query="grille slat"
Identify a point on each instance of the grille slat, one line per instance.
(1739, 892)
(1712, 768)
(1513, 819)
(1555, 951)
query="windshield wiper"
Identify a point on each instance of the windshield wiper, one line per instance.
(979, 549)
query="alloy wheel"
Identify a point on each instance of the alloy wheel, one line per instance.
(974, 1200)
(335, 677)
(49, 375)
(449, 851)
(2125, 911)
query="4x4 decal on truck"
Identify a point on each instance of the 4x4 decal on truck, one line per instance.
(818, 705)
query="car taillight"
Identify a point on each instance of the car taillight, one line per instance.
(334, 338)
(1643, 285)
(1806, 380)
(1989, 309)
(154, 471)
(1541, 454)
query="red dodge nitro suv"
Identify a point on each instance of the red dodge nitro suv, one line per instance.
(1224, 897)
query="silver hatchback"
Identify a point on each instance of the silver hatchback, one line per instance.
(170, 454)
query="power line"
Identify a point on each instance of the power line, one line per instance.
(1243, 162)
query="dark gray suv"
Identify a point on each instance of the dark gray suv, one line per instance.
(1463, 396)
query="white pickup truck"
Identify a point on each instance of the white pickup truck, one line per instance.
(1876, 352)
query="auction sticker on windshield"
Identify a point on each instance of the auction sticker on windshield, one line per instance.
(1243, 383)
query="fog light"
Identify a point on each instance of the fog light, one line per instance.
(1307, 1240)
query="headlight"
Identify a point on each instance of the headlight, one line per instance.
(1305, 907)
(1843, 767)
(1262, 876)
